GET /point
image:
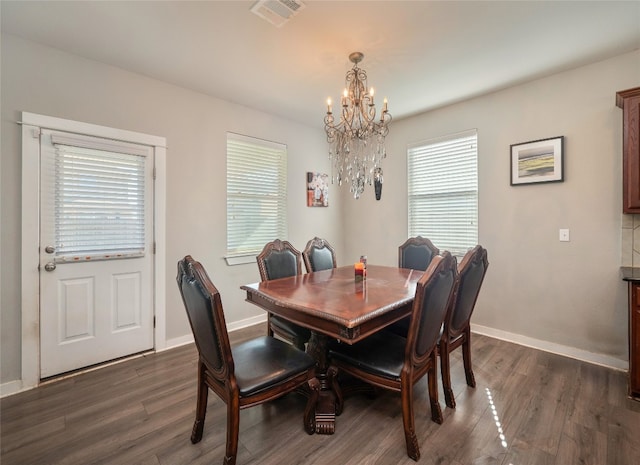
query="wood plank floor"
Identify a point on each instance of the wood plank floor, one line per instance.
(529, 407)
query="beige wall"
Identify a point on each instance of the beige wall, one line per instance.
(565, 296)
(46, 81)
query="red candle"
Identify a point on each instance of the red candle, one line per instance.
(358, 270)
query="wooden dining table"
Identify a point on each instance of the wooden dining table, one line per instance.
(335, 305)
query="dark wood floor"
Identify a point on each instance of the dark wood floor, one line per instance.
(529, 407)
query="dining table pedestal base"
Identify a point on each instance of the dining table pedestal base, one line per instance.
(325, 413)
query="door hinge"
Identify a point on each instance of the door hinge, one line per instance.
(154, 321)
(154, 248)
(154, 173)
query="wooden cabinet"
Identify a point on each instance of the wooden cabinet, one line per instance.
(634, 339)
(629, 101)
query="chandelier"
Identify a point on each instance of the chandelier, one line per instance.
(356, 143)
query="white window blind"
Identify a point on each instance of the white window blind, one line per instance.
(99, 202)
(443, 191)
(256, 195)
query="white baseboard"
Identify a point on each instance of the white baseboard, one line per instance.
(254, 320)
(176, 342)
(235, 326)
(571, 352)
(12, 387)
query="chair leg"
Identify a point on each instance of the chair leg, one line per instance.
(233, 430)
(466, 358)
(201, 405)
(445, 370)
(406, 393)
(309, 419)
(432, 379)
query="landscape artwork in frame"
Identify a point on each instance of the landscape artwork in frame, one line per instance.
(317, 189)
(537, 161)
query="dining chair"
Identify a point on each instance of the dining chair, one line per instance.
(396, 363)
(415, 253)
(245, 375)
(318, 255)
(280, 259)
(457, 326)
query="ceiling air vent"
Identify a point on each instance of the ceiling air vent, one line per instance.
(277, 12)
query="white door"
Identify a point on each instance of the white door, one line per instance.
(96, 256)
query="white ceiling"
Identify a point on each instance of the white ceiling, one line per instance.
(419, 54)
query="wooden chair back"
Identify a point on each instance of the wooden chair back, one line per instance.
(279, 259)
(471, 272)
(206, 317)
(416, 253)
(318, 255)
(433, 296)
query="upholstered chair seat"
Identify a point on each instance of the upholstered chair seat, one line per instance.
(255, 368)
(381, 354)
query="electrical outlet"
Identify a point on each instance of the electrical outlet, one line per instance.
(564, 235)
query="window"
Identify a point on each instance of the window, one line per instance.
(443, 191)
(99, 192)
(256, 196)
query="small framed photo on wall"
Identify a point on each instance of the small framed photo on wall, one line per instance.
(537, 161)
(317, 189)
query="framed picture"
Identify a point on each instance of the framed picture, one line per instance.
(537, 161)
(317, 189)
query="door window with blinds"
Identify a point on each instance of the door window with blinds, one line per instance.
(99, 199)
(256, 196)
(443, 191)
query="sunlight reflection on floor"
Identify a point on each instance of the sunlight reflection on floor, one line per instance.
(497, 419)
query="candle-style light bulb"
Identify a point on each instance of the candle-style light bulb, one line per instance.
(371, 92)
(384, 106)
(329, 105)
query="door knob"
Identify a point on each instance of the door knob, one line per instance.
(49, 249)
(50, 266)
